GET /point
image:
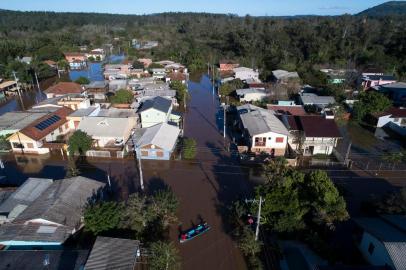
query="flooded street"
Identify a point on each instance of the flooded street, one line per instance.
(205, 186)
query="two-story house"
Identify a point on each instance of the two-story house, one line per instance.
(262, 130)
(155, 111)
(76, 60)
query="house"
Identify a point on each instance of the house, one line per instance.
(395, 91)
(76, 60)
(382, 240)
(283, 76)
(394, 118)
(25, 59)
(113, 253)
(11, 122)
(311, 99)
(155, 111)
(176, 67)
(312, 134)
(107, 131)
(20, 199)
(97, 90)
(64, 88)
(176, 76)
(263, 131)
(368, 81)
(158, 73)
(34, 137)
(244, 73)
(251, 94)
(96, 55)
(78, 115)
(55, 215)
(228, 65)
(117, 71)
(145, 61)
(115, 85)
(156, 142)
(7, 87)
(287, 109)
(43, 259)
(74, 102)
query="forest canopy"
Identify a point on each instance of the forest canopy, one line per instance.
(294, 43)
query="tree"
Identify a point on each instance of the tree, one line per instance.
(164, 205)
(136, 214)
(163, 256)
(395, 157)
(368, 103)
(392, 203)
(82, 80)
(138, 65)
(294, 200)
(227, 88)
(4, 143)
(189, 148)
(102, 217)
(122, 96)
(181, 91)
(155, 65)
(91, 59)
(326, 204)
(79, 143)
(275, 170)
(247, 243)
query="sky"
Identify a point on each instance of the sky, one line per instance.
(240, 7)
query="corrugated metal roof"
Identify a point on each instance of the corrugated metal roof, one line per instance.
(113, 253)
(258, 120)
(62, 202)
(25, 194)
(162, 135)
(158, 103)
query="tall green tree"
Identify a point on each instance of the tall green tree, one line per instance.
(369, 103)
(163, 256)
(164, 204)
(82, 80)
(79, 143)
(102, 217)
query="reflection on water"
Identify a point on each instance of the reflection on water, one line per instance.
(94, 71)
(27, 100)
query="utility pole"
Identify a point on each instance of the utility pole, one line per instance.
(140, 168)
(16, 80)
(347, 155)
(213, 78)
(36, 78)
(258, 218)
(208, 69)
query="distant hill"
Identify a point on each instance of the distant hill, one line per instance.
(386, 9)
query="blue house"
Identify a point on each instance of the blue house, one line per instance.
(156, 142)
(395, 91)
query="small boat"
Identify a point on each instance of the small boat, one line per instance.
(194, 232)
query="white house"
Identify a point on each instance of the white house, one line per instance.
(155, 111)
(395, 119)
(244, 73)
(263, 131)
(317, 135)
(283, 76)
(383, 240)
(108, 132)
(251, 94)
(158, 73)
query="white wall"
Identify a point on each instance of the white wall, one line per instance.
(253, 97)
(152, 117)
(271, 140)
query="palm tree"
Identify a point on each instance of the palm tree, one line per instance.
(163, 256)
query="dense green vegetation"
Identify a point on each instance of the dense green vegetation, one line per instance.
(370, 103)
(122, 96)
(296, 43)
(79, 143)
(189, 148)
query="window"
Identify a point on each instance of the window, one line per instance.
(144, 153)
(260, 141)
(371, 248)
(279, 139)
(18, 145)
(60, 130)
(30, 145)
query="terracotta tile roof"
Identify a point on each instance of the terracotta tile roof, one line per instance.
(289, 110)
(177, 76)
(64, 88)
(394, 112)
(37, 134)
(318, 126)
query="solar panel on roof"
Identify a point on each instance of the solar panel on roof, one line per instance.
(48, 122)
